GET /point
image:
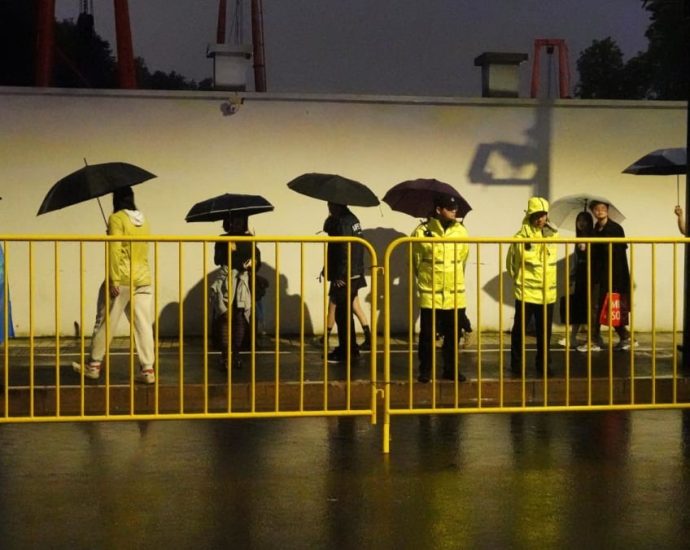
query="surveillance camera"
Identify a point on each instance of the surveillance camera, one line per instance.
(231, 107)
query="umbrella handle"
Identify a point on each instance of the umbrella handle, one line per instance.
(102, 213)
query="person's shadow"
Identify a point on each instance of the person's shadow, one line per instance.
(380, 238)
(264, 313)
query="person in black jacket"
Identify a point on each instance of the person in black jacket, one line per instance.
(339, 271)
(606, 228)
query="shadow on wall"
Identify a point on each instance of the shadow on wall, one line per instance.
(380, 238)
(193, 308)
(529, 163)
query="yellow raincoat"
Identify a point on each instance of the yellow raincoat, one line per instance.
(129, 256)
(440, 266)
(539, 274)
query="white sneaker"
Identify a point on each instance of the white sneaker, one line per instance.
(146, 376)
(626, 344)
(584, 348)
(92, 370)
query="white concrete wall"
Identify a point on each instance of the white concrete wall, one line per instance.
(496, 152)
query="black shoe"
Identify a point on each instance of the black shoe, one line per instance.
(423, 378)
(337, 356)
(450, 375)
(365, 346)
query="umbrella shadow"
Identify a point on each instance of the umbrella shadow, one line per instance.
(193, 308)
(506, 163)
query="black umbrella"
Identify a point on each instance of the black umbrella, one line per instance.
(662, 162)
(218, 208)
(334, 188)
(417, 197)
(90, 182)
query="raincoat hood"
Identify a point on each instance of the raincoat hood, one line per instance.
(536, 204)
(136, 217)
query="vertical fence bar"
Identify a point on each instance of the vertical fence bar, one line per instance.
(6, 321)
(180, 321)
(631, 305)
(632, 348)
(31, 331)
(301, 330)
(132, 380)
(410, 324)
(479, 332)
(323, 278)
(204, 274)
(276, 285)
(156, 340)
(57, 326)
(674, 325)
(501, 365)
(567, 321)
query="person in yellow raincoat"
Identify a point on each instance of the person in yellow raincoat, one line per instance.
(128, 265)
(439, 269)
(532, 267)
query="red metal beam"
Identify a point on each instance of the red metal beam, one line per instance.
(258, 44)
(125, 53)
(222, 17)
(45, 42)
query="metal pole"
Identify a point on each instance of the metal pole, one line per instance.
(125, 53)
(222, 16)
(258, 42)
(45, 42)
(686, 299)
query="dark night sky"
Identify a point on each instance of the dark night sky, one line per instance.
(417, 47)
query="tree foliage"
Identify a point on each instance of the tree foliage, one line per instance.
(82, 58)
(661, 72)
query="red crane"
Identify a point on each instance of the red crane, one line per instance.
(45, 43)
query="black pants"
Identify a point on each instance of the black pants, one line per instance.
(535, 311)
(445, 325)
(342, 300)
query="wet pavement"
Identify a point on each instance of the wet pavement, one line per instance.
(289, 376)
(579, 480)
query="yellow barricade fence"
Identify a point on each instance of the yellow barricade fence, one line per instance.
(480, 375)
(53, 282)
(283, 374)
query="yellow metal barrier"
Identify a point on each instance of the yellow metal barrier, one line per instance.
(642, 378)
(38, 386)
(290, 378)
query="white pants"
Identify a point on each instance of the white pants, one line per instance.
(143, 329)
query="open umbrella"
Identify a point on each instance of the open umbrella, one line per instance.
(416, 197)
(563, 211)
(218, 208)
(90, 182)
(662, 162)
(334, 188)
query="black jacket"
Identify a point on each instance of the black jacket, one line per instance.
(345, 225)
(620, 281)
(240, 255)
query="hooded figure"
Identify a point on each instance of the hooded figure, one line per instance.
(532, 267)
(129, 267)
